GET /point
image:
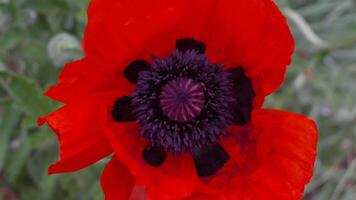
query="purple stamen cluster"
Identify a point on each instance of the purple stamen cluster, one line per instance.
(183, 102)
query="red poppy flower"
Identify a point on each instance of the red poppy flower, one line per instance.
(174, 89)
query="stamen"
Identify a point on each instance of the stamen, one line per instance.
(183, 102)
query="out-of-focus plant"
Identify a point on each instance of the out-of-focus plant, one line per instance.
(322, 84)
(37, 37)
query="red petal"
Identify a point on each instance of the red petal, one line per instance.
(116, 181)
(272, 158)
(175, 179)
(287, 149)
(84, 77)
(79, 127)
(148, 28)
(253, 34)
(139, 193)
(202, 196)
(256, 36)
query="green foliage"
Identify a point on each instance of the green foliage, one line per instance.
(321, 84)
(37, 37)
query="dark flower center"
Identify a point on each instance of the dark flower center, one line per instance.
(183, 104)
(182, 99)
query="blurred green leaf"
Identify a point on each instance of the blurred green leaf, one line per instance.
(2, 67)
(27, 94)
(21, 149)
(37, 169)
(10, 118)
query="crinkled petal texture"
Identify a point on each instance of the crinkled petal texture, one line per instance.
(79, 128)
(117, 181)
(86, 77)
(271, 158)
(175, 179)
(248, 33)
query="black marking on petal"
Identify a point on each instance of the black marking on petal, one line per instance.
(122, 110)
(244, 94)
(186, 44)
(154, 156)
(210, 159)
(132, 71)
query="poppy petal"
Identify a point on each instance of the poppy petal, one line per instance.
(247, 32)
(86, 76)
(202, 196)
(273, 160)
(235, 32)
(116, 181)
(139, 193)
(78, 126)
(175, 178)
(287, 149)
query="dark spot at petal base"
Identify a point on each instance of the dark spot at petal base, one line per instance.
(154, 156)
(210, 159)
(122, 110)
(132, 71)
(244, 94)
(190, 44)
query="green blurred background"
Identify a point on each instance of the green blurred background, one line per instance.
(38, 36)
